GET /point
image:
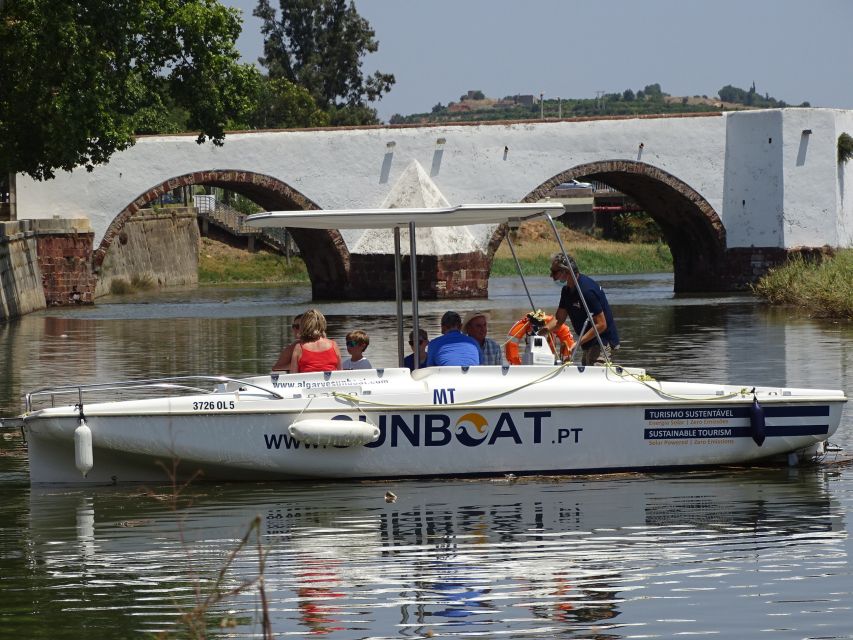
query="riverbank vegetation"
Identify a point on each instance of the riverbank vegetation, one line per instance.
(822, 289)
(219, 263)
(535, 245)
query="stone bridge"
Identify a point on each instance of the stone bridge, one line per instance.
(734, 193)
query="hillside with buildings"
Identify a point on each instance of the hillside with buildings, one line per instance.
(476, 106)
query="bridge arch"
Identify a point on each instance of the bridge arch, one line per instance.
(691, 227)
(324, 251)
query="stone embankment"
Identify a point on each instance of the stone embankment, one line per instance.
(49, 262)
(154, 248)
(44, 262)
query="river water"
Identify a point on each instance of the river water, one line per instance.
(732, 553)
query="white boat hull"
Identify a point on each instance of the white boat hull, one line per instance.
(447, 421)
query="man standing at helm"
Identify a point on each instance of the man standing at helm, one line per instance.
(572, 307)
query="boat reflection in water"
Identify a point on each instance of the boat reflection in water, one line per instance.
(535, 557)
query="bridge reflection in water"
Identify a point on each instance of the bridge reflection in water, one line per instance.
(526, 557)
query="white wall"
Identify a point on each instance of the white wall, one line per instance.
(810, 164)
(844, 220)
(356, 168)
(752, 210)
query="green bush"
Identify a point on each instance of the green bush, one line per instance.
(845, 147)
(822, 288)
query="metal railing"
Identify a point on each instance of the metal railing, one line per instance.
(233, 221)
(172, 384)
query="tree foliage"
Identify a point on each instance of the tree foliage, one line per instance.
(80, 77)
(845, 147)
(752, 98)
(320, 44)
(280, 104)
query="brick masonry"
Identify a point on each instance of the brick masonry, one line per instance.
(65, 261)
(45, 262)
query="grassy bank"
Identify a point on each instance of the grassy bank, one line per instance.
(534, 245)
(823, 289)
(220, 263)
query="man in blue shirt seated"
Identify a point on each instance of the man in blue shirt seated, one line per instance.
(453, 347)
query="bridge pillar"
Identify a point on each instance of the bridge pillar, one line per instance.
(458, 275)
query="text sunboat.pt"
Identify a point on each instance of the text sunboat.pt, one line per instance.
(438, 421)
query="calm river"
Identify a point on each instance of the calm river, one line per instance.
(762, 553)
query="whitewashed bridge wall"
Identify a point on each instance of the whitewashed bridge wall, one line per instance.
(771, 184)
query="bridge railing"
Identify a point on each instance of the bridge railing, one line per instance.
(233, 222)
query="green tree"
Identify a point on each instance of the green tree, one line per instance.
(653, 91)
(730, 93)
(80, 77)
(280, 104)
(319, 44)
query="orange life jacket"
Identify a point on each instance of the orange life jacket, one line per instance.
(519, 331)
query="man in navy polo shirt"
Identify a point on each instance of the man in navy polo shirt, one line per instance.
(571, 307)
(453, 347)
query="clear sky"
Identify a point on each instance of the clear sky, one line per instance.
(794, 50)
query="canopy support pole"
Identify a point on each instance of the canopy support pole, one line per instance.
(413, 273)
(398, 282)
(518, 268)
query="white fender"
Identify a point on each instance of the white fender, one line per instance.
(340, 433)
(83, 458)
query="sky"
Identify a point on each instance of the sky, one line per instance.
(793, 50)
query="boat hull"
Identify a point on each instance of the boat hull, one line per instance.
(447, 422)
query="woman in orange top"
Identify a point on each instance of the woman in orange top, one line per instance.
(315, 352)
(532, 323)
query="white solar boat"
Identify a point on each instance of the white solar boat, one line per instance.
(438, 421)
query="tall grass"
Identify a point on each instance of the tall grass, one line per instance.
(593, 256)
(220, 264)
(821, 289)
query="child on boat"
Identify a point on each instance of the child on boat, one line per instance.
(357, 342)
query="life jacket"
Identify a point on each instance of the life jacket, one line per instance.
(518, 332)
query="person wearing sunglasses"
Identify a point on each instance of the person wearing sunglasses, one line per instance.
(282, 365)
(421, 348)
(357, 342)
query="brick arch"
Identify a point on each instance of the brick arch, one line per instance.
(324, 251)
(691, 227)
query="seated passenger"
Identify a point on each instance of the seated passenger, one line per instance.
(409, 360)
(315, 352)
(357, 342)
(476, 325)
(453, 347)
(286, 355)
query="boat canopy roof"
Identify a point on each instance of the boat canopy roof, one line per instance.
(462, 215)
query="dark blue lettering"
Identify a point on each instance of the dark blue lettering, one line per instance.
(537, 423)
(382, 430)
(274, 441)
(505, 428)
(413, 434)
(439, 396)
(436, 435)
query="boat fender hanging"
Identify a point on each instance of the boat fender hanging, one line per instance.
(337, 433)
(756, 421)
(83, 458)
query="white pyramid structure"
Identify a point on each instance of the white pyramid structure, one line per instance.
(415, 188)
